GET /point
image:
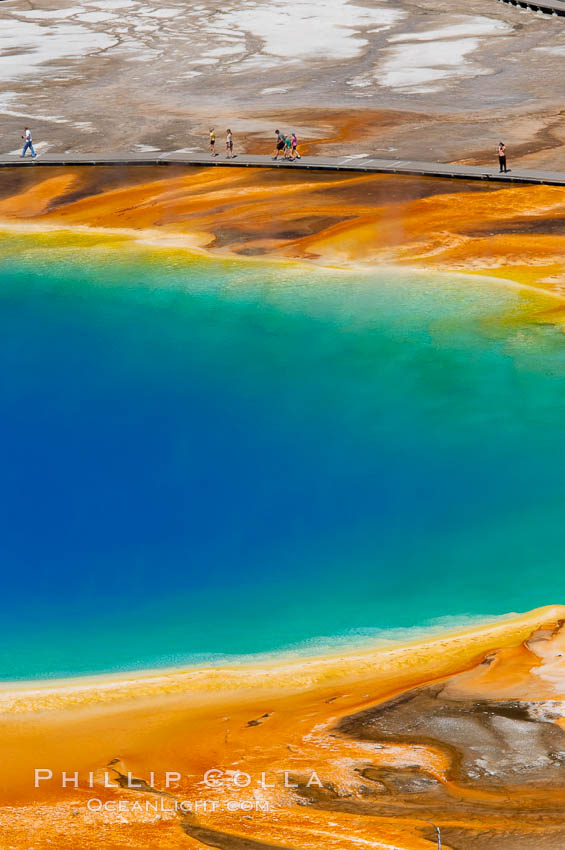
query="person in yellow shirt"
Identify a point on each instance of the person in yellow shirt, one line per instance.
(212, 142)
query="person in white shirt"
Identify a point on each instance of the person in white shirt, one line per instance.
(27, 142)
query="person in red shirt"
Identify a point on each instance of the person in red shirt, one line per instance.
(502, 157)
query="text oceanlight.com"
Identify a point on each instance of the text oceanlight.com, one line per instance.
(169, 806)
(246, 796)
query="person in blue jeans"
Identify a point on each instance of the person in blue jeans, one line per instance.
(27, 142)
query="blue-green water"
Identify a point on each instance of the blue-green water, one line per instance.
(207, 459)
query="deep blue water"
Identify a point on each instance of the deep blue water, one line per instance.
(207, 459)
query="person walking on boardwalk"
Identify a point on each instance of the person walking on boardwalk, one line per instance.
(27, 142)
(280, 144)
(502, 157)
(229, 145)
(287, 147)
(294, 145)
(213, 142)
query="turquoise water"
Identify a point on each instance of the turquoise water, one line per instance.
(210, 459)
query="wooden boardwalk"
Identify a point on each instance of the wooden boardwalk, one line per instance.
(359, 163)
(553, 7)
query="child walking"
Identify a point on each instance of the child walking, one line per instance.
(294, 145)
